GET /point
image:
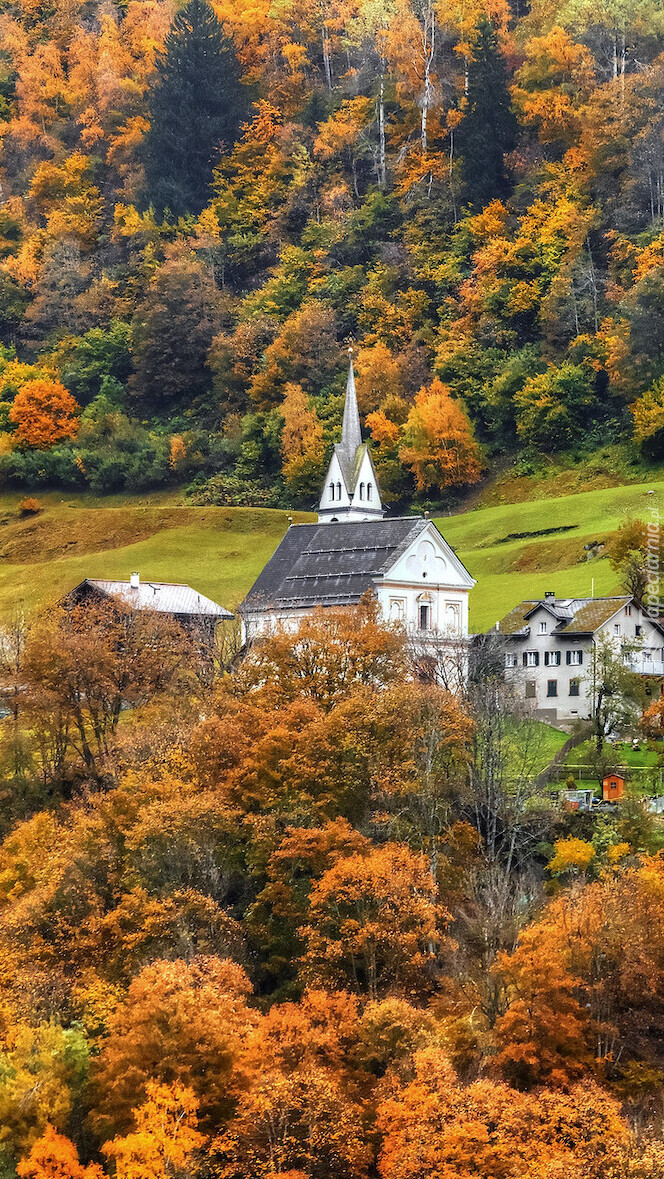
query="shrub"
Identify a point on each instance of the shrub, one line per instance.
(30, 506)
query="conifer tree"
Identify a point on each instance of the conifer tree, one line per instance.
(488, 129)
(196, 107)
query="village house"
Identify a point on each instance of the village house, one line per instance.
(417, 578)
(550, 643)
(192, 610)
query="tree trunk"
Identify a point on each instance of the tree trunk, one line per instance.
(382, 168)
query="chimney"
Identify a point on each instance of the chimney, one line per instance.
(549, 595)
(134, 581)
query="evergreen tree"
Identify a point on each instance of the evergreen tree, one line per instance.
(488, 129)
(196, 106)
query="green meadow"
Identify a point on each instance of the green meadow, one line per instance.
(221, 550)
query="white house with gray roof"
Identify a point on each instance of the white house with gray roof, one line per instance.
(549, 649)
(416, 576)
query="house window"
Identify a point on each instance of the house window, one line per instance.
(552, 658)
(531, 659)
(616, 628)
(331, 491)
(542, 628)
(452, 616)
(361, 490)
(628, 611)
(397, 609)
(510, 659)
(574, 686)
(575, 658)
(552, 687)
(531, 690)
(638, 630)
(370, 491)
(424, 616)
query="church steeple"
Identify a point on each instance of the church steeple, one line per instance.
(350, 491)
(351, 430)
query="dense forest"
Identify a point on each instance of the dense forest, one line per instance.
(202, 209)
(312, 918)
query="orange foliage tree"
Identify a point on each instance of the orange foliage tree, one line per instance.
(53, 1156)
(44, 412)
(436, 1127)
(165, 1137)
(295, 1121)
(301, 441)
(375, 922)
(437, 441)
(331, 652)
(184, 1021)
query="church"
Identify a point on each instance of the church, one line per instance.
(417, 578)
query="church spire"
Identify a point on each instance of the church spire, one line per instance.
(350, 492)
(351, 431)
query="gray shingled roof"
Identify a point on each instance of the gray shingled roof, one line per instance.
(330, 564)
(161, 596)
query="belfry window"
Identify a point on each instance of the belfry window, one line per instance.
(338, 491)
(361, 490)
(369, 491)
(331, 490)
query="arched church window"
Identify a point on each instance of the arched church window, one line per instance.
(361, 490)
(369, 491)
(331, 490)
(424, 612)
(338, 491)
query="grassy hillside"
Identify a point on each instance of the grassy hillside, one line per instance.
(221, 550)
(508, 570)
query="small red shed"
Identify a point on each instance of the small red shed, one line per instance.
(613, 787)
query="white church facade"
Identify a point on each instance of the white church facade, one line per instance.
(416, 576)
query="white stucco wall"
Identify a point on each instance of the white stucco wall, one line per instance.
(565, 706)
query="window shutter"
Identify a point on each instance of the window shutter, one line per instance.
(546, 658)
(568, 657)
(536, 658)
(525, 659)
(580, 658)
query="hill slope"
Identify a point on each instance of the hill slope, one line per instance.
(221, 550)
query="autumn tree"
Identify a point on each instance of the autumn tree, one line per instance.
(437, 441)
(648, 414)
(181, 1022)
(82, 666)
(53, 1156)
(196, 107)
(375, 923)
(45, 1070)
(295, 1122)
(301, 443)
(44, 412)
(173, 329)
(436, 1126)
(331, 652)
(164, 1139)
(634, 553)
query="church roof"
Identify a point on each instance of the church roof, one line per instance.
(330, 564)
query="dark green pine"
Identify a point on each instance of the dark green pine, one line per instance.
(488, 130)
(196, 107)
